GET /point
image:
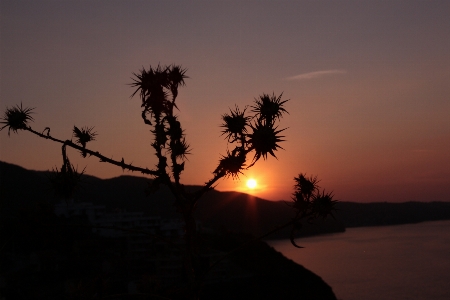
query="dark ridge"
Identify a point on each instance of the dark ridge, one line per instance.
(231, 211)
(384, 213)
(74, 254)
(276, 277)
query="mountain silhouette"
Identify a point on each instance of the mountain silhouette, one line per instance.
(266, 273)
(232, 211)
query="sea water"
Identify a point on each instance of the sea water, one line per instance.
(398, 262)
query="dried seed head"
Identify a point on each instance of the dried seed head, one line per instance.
(269, 108)
(232, 164)
(305, 187)
(264, 140)
(85, 135)
(235, 124)
(17, 118)
(179, 148)
(323, 204)
(155, 86)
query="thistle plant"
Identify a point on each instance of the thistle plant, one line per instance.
(309, 202)
(250, 131)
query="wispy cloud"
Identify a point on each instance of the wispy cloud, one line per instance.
(317, 74)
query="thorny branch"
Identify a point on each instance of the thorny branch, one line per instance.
(97, 154)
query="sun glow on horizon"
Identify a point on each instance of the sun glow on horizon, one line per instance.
(251, 183)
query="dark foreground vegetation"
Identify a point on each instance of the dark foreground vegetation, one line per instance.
(233, 211)
(250, 132)
(167, 250)
(48, 257)
(43, 256)
(93, 244)
(53, 258)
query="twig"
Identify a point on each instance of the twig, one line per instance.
(102, 158)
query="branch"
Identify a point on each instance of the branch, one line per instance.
(102, 158)
(198, 194)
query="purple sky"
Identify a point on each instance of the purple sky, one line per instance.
(368, 83)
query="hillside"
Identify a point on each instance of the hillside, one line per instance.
(232, 211)
(384, 213)
(67, 254)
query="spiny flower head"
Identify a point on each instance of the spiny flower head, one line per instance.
(305, 187)
(176, 76)
(84, 135)
(155, 86)
(269, 108)
(323, 204)
(147, 81)
(232, 164)
(235, 124)
(264, 140)
(17, 118)
(179, 148)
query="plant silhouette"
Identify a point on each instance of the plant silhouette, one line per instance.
(253, 131)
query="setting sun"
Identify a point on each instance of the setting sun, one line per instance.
(251, 183)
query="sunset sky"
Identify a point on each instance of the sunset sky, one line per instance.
(368, 83)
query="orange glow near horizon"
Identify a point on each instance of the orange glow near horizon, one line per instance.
(251, 184)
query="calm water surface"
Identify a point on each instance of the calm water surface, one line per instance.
(391, 262)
